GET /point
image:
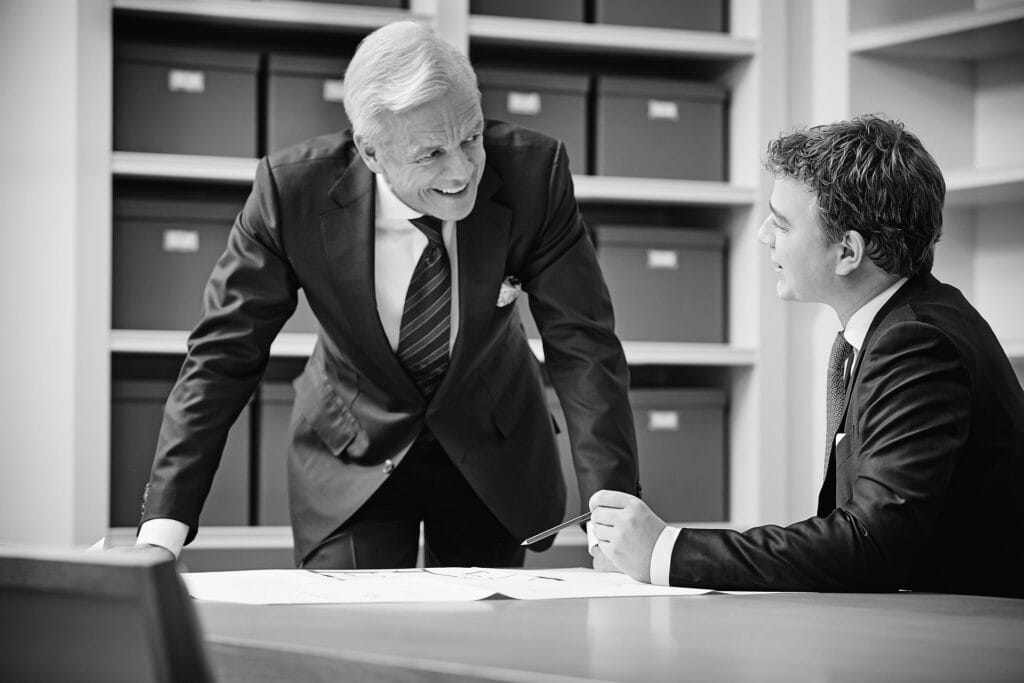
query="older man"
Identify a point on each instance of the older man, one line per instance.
(925, 434)
(411, 236)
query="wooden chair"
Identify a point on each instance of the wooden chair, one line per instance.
(83, 616)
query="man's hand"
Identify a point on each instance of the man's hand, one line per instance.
(626, 531)
(601, 562)
(145, 548)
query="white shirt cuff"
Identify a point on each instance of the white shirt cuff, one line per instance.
(166, 533)
(661, 557)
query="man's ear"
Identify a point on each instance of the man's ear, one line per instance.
(367, 152)
(852, 252)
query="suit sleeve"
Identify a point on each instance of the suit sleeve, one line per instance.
(914, 397)
(249, 296)
(582, 355)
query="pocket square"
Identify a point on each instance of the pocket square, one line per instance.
(509, 291)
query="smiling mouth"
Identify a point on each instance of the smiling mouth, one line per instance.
(457, 192)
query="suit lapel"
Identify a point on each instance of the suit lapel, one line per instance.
(902, 295)
(482, 250)
(826, 498)
(348, 235)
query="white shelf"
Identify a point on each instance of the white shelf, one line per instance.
(984, 186)
(970, 34)
(662, 191)
(273, 13)
(173, 342)
(183, 167)
(588, 188)
(566, 36)
(677, 353)
(1014, 348)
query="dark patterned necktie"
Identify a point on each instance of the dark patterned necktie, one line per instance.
(426, 318)
(835, 390)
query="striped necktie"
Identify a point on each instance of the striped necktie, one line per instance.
(426, 318)
(835, 389)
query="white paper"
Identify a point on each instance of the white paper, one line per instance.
(99, 545)
(437, 584)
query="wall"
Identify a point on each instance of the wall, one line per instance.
(54, 61)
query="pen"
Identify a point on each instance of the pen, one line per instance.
(555, 529)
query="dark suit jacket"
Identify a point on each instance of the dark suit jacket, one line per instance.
(309, 223)
(924, 492)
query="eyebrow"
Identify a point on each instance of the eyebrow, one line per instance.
(421, 150)
(777, 213)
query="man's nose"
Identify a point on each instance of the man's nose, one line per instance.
(459, 166)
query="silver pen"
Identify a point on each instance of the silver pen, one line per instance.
(555, 529)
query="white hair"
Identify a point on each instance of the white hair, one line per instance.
(398, 67)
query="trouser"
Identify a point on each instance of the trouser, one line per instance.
(458, 528)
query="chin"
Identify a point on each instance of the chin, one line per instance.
(455, 212)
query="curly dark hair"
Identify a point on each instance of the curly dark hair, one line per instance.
(871, 175)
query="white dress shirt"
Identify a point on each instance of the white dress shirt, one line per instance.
(398, 245)
(855, 332)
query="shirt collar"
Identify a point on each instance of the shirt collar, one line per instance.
(857, 327)
(389, 206)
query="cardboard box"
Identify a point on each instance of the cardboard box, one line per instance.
(555, 104)
(659, 128)
(666, 284)
(275, 409)
(136, 413)
(164, 252)
(182, 100)
(694, 15)
(680, 437)
(558, 10)
(304, 98)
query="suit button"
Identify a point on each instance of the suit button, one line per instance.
(389, 466)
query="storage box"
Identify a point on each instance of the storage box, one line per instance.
(572, 489)
(136, 413)
(658, 128)
(680, 436)
(184, 101)
(559, 10)
(304, 98)
(275, 406)
(164, 252)
(666, 284)
(394, 4)
(555, 104)
(696, 15)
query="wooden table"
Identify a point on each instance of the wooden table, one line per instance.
(716, 637)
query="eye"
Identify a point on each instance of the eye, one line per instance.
(430, 156)
(475, 137)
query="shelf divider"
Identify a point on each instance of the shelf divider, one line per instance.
(173, 342)
(635, 40)
(282, 13)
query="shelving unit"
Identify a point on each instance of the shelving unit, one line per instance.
(301, 345)
(970, 33)
(273, 13)
(959, 71)
(740, 60)
(588, 188)
(631, 40)
(952, 72)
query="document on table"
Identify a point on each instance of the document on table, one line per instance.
(435, 584)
